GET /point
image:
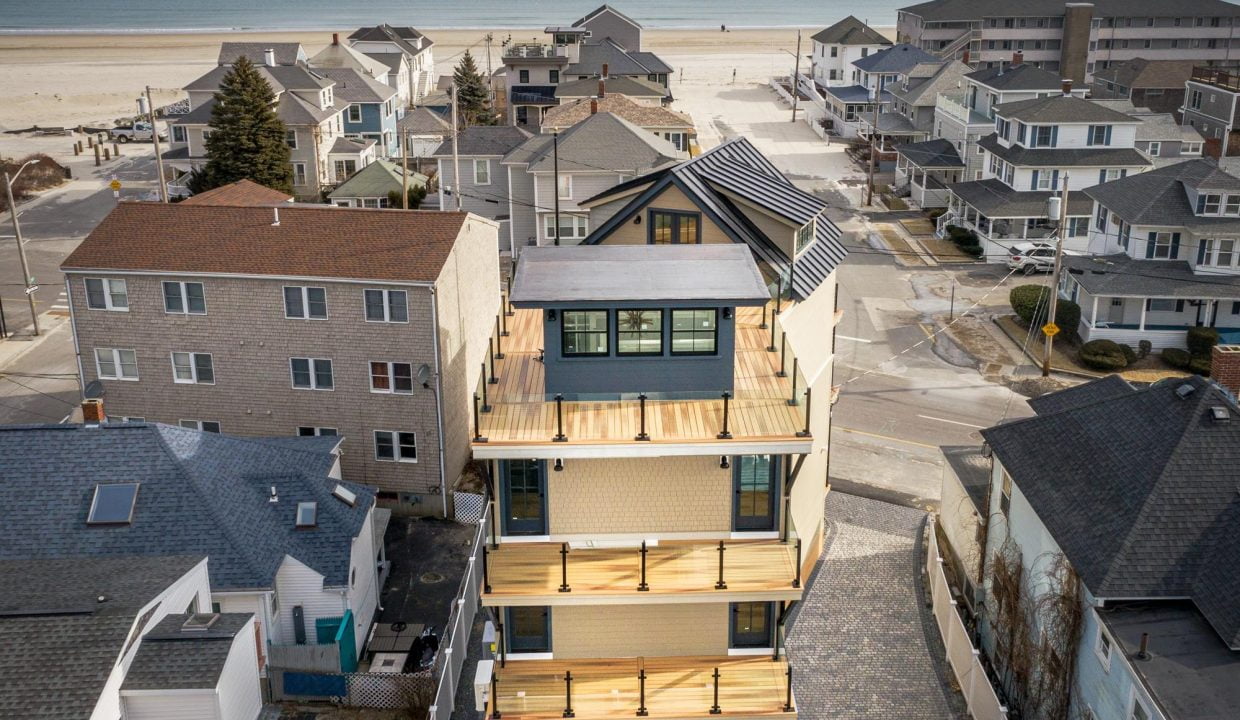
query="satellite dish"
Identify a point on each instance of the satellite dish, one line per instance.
(424, 375)
(93, 390)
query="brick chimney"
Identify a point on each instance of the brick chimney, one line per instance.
(1225, 367)
(1018, 58)
(335, 38)
(593, 106)
(965, 57)
(1067, 86)
(602, 87)
(604, 71)
(92, 411)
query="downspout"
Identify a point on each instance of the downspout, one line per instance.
(443, 479)
(318, 173)
(77, 351)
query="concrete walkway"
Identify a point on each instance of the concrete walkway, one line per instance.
(862, 643)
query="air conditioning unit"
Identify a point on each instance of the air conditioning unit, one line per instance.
(482, 684)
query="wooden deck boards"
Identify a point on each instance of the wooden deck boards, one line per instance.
(672, 567)
(521, 414)
(676, 687)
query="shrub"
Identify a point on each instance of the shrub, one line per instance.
(1200, 365)
(1130, 355)
(1103, 355)
(1143, 348)
(1024, 300)
(936, 213)
(1176, 357)
(1067, 317)
(1201, 340)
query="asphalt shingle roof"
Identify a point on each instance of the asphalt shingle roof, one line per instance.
(170, 658)
(286, 53)
(490, 140)
(617, 84)
(1106, 388)
(993, 198)
(424, 121)
(1140, 73)
(1140, 492)
(401, 36)
(376, 180)
(604, 8)
(242, 192)
(353, 86)
(1020, 77)
(619, 61)
(924, 91)
(850, 31)
(1121, 275)
(1061, 109)
(1096, 156)
(569, 114)
(895, 59)
(937, 153)
(1159, 197)
(603, 141)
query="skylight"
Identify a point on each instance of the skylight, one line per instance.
(113, 504)
(345, 495)
(307, 514)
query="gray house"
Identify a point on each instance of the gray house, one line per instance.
(484, 186)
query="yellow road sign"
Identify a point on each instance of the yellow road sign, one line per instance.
(1050, 329)
(115, 184)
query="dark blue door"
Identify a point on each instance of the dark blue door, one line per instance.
(528, 629)
(525, 502)
(753, 480)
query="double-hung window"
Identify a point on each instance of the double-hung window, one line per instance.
(290, 138)
(299, 173)
(107, 294)
(1220, 252)
(1209, 203)
(695, 332)
(1160, 246)
(305, 303)
(395, 446)
(184, 298)
(564, 186)
(1005, 494)
(193, 368)
(387, 306)
(1042, 136)
(584, 333)
(1154, 149)
(355, 113)
(482, 172)
(639, 332)
(391, 377)
(1099, 134)
(1102, 647)
(203, 425)
(312, 431)
(311, 373)
(1231, 205)
(572, 227)
(114, 364)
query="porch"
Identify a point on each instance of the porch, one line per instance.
(1003, 217)
(925, 169)
(659, 687)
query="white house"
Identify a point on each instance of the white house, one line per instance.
(381, 41)
(835, 48)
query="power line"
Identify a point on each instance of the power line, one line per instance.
(32, 412)
(36, 390)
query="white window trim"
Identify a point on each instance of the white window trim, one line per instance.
(578, 221)
(182, 284)
(318, 431)
(569, 180)
(116, 362)
(293, 134)
(107, 294)
(387, 306)
(198, 424)
(314, 377)
(299, 171)
(1099, 636)
(391, 375)
(1155, 148)
(305, 302)
(1133, 700)
(354, 107)
(193, 367)
(395, 446)
(486, 163)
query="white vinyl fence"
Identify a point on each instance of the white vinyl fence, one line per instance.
(455, 645)
(964, 659)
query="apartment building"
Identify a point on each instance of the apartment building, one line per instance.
(293, 320)
(1073, 39)
(837, 47)
(1210, 106)
(656, 467)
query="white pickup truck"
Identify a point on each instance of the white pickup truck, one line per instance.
(137, 131)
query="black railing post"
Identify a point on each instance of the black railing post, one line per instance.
(477, 423)
(783, 355)
(559, 419)
(797, 582)
(568, 694)
(503, 323)
(499, 333)
(725, 435)
(495, 713)
(762, 326)
(486, 406)
(641, 435)
(714, 709)
(642, 586)
(792, 399)
(493, 380)
(721, 585)
(494, 529)
(564, 568)
(486, 580)
(788, 698)
(499, 634)
(779, 294)
(771, 347)
(808, 406)
(641, 689)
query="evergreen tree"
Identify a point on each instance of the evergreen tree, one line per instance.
(247, 138)
(472, 93)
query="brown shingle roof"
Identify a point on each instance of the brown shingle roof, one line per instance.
(327, 242)
(245, 193)
(644, 116)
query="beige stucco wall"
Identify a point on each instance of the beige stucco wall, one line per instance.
(630, 233)
(640, 495)
(639, 630)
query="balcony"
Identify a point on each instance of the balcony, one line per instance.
(663, 687)
(534, 51)
(765, 412)
(669, 571)
(1223, 79)
(953, 105)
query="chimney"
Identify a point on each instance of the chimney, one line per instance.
(335, 38)
(1144, 652)
(602, 87)
(1018, 58)
(965, 57)
(604, 71)
(269, 57)
(1225, 367)
(92, 412)
(276, 222)
(1067, 86)
(593, 106)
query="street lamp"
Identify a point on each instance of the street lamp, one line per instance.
(21, 249)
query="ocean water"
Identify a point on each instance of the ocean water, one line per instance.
(23, 16)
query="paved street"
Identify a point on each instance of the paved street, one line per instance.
(863, 643)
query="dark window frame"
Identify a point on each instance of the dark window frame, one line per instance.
(640, 333)
(605, 332)
(676, 215)
(672, 334)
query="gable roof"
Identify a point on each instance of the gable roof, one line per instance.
(850, 31)
(632, 86)
(569, 114)
(1105, 388)
(603, 141)
(937, 153)
(938, 78)
(286, 53)
(1140, 493)
(339, 55)
(353, 86)
(895, 59)
(488, 140)
(618, 60)
(241, 192)
(1159, 196)
(1061, 109)
(602, 9)
(424, 121)
(1017, 77)
(309, 241)
(737, 168)
(401, 36)
(376, 180)
(1141, 73)
(198, 492)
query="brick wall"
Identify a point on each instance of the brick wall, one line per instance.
(1225, 367)
(652, 630)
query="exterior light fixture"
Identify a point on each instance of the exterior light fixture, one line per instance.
(551, 314)
(727, 313)
(559, 465)
(723, 462)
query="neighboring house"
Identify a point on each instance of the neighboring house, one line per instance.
(1154, 84)
(1165, 257)
(639, 90)
(369, 113)
(418, 66)
(111, 637)
(836, 48)
(1072, 39)
(604, 44)
(339, 55)
(1037, 145)
(305, 319)
(925, 169)
(370, 187)
(661, 484)
(849, 105)
(1134, 515)
(909, 115)
(245, 192)
(1164, 140)
(675, 127)
(1210, 106)
(289, 541)
(424, 131)
(485, 187)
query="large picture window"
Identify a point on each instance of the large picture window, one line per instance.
(669, 227)
(584, 332)
(695, 332)
(639, 332)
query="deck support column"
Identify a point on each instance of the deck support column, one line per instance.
(1093, 318)
(641, 434)
(724, 434)
(721, 585)
(559, 419)
(714, 709)
(1144, 303)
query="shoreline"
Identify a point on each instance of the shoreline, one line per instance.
(428, 30)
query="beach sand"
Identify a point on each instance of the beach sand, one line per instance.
(68, 80)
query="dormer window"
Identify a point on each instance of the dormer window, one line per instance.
(1021, 129)
(1209, 203)
(1004, 128)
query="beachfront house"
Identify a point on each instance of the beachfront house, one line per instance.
(407, 53)
(1164, 257)
(837, 47)
(370, 110)
(848, 105)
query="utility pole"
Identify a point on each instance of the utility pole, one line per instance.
(869, 184)
(456, 155)
(490, 80)
(1054, 306)
(404, 176)
(555, 167)
(159, 163)
(796, 78)
(21, 251)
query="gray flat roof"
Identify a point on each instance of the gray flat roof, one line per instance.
(606, 273)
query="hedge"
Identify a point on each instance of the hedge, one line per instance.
(1176, 358)
(1201, 341)
(1103, 355)
(1025, 299)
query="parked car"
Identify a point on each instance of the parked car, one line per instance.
(1031, 257)
(137, 131)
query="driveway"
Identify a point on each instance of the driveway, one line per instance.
(862, 642)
